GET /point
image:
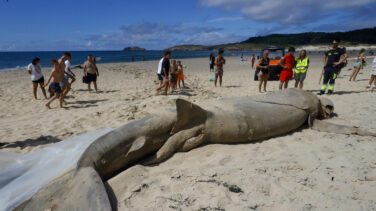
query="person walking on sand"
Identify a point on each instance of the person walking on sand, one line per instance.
(219, 62)
(65, 84)
(211, 62)
(358, 64)
(159, 71)
(287, 63)
(253, 61)
(55, 76)
(91, 72)
(301, 67)
(332, 62)
(180, 74)
(373, 76)
(263, 67)
(35, 70)
(165, 72)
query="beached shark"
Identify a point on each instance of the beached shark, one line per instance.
(71, 175)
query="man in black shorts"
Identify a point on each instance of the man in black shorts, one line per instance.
(165, 72)
(332, 63)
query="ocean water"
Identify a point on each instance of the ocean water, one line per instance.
(20, 60)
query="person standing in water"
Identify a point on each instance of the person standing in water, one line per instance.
(301, 67)
(91, 72)
(219, 62)
(35, 70)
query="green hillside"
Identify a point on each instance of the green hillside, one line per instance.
(350, 38)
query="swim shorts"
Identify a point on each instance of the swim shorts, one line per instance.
(285, 75)
(219, 72)
(56, 87)
(180, 76)
(91, 77)
(174, 77)
(41, 80)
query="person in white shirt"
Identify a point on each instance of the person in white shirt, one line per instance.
(65, 85)
(35, 70)
(373, 76)
(159, 72)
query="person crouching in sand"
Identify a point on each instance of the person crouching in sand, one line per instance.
(56, 76)
(180, 74)
(263, 66)
(91, 72)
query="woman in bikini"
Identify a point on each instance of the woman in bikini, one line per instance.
(358, 64)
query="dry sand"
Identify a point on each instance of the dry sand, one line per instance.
(303, 170)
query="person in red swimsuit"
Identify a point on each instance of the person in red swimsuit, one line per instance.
(287, 63)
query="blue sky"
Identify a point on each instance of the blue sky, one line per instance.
(33, 25)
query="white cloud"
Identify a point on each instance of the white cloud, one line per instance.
(213, 38)
(153, 35)
(287, 11)
(225, 19)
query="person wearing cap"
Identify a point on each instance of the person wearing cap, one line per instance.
(263, 68)
(301, 67)
(287, 63)
(332, 63)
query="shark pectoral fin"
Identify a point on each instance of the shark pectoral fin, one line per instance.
(173, 144)
(339, 129)
(80, 190)
(188, 115)
(193, 142)
(137, 145)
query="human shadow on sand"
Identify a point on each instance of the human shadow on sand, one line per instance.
(84, 104)
(100, 91)
(42, 140)
(234, 86)
(347, 92)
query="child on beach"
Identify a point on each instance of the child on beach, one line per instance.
(180, 74)
(373, 76)
(173, 74)
(56, 76)
(219, 62)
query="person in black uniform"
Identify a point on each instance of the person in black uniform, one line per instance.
(332, 63)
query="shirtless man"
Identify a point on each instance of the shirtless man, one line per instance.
(56, 76)
(91, 72)
(219, 62)
(65, 85)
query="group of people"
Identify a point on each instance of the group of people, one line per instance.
(61, 77)
(170, 73)
(334, 60)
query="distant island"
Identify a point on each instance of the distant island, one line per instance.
(134, 48)
(365, 36)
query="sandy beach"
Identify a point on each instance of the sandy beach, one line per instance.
(303, 170)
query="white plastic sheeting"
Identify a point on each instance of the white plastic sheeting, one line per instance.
(30, 172)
